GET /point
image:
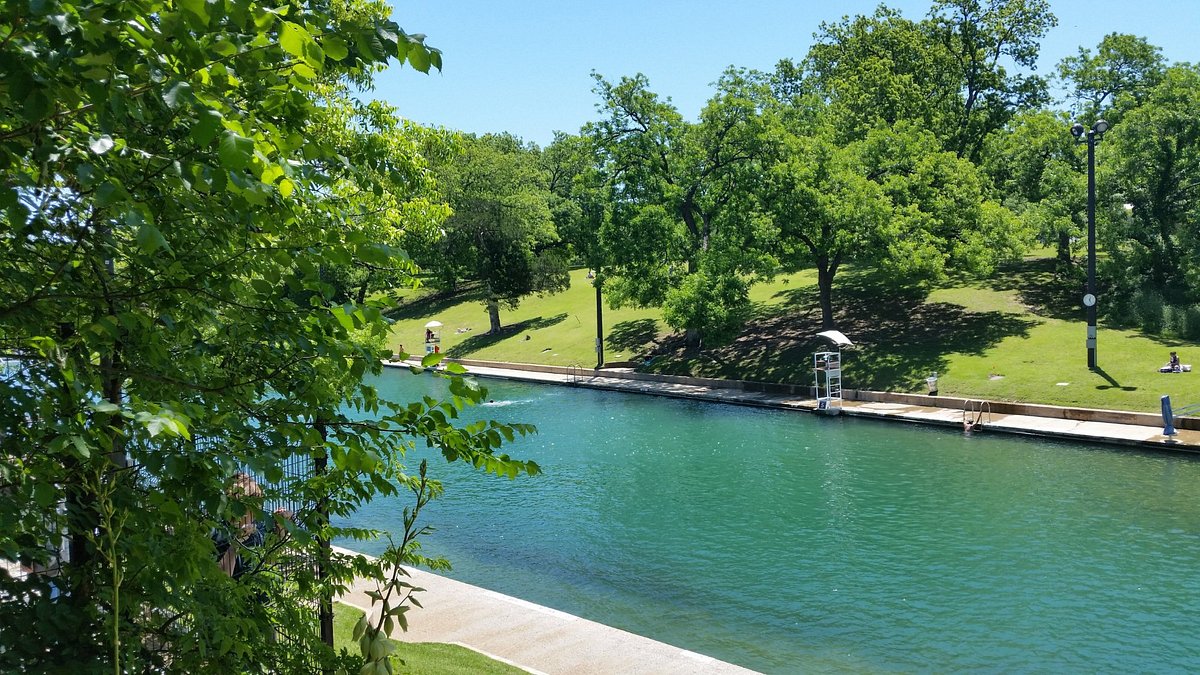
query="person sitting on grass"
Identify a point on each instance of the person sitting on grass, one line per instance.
(1174, 366)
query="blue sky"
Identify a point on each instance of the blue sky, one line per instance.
(524, 67)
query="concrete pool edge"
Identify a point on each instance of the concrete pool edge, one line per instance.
(528, 636)
(1110, 427)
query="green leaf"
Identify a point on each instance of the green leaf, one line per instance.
(371, 47)
(294, 39)
(197, 9)
(304, 70)
(176, 94)
(44, 494)
(110, 193)
(345, 318)
(235, 151)
(37, 106)
(418, 58)
(335, 47)
(314, 55)
(149, 239)
(81, 446)
(224, 47)
(208, 123)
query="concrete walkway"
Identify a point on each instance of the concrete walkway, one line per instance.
(542, 640)
(1144, 436)
(531, 637)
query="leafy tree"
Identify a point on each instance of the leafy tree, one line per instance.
(502, 230)
(982, 36)
(1152, 163)
(681, 202)
(579, 203)
(894, 200)
(1038, 171)
(875, 69)
(948, 73)
(1119, 76)
(581, 211)
(174, 185)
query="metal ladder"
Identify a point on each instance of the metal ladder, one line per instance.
(574, 373)
(976, 414)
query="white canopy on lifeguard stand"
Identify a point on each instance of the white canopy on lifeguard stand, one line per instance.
(432, 336)
(827, 373)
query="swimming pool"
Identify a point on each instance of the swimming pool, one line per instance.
(788, 542)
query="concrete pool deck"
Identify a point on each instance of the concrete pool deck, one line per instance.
(542, 640)
(1141, 430)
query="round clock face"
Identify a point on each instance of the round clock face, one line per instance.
(1089, 300)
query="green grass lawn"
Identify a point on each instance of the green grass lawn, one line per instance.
(554, 329)
(427, 658)
(1018, 336)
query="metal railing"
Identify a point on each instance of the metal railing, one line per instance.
(575, 373)
(976, 414)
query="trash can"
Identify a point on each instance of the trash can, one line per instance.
(931, 382)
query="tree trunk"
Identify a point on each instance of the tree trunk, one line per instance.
(1064, 248)
(362, 290)
(493, 308)
(825, 274)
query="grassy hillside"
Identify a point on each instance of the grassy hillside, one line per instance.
(1019, 336)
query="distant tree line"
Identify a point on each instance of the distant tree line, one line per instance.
(914, 147)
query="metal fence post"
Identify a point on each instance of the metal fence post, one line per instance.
(325, 612)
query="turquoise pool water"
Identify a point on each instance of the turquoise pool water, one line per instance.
(787, 542)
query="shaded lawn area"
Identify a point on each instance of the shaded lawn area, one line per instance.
(900, 336)
(1017, 336)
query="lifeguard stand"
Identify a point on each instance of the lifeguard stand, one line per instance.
(827, 374)
(433, 337)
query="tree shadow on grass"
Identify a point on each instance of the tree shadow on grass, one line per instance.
(634, 334)
(899, 337)
(433, 304)
(1041, 288)
(477, 342)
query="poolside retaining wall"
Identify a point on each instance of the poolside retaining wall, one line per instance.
(806, 391)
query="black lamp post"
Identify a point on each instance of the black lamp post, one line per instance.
(1091, 137)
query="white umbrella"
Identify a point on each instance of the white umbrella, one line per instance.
(836, 338)
(434, 324)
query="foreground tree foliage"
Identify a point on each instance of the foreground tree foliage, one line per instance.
(178, 179)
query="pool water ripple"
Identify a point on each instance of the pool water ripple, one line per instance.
(791, 543)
